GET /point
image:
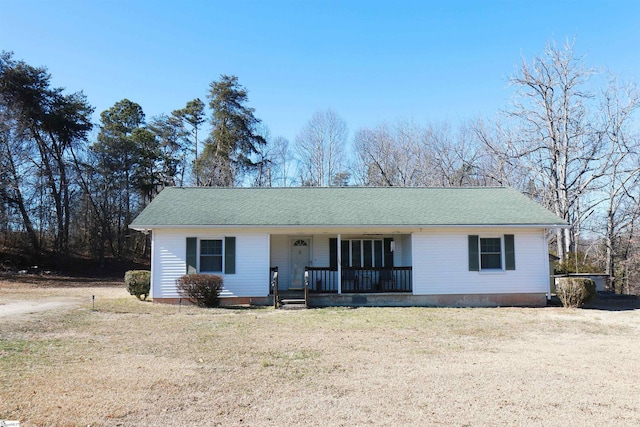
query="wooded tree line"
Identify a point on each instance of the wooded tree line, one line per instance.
(570, 141)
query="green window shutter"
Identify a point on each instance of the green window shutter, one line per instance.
(388, 255)
(509, 252)
(192, 255)
(230, 255)
(333, 254)
(474, 259)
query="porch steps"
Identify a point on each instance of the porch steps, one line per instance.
(293, 301)
(293, 304)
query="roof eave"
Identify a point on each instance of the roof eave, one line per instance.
(144, 228)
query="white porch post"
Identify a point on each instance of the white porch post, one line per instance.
(154, 265)
(339, 251)
(269, 263)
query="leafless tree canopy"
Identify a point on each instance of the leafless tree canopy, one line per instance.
(321, 149)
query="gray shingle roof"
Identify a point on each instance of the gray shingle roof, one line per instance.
(348, 206)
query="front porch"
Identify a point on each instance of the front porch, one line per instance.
(364, 263)
(323, 287)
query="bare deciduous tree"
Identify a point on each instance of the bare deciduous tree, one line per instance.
(376, 153)
(392, 156)
(554, 136)
(281, 160)
(409, 155)
(622, 178)
(455, 157)
(320, 148)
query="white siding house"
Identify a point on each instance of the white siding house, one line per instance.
(438, 248)
(472, 246)
(168, 262)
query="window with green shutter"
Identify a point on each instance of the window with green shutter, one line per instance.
(490, 253)
(211, 256)
(214, 254)
(486, 253)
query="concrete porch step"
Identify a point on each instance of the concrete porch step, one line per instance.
(293, 307)
(292, 301)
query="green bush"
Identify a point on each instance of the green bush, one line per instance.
(138, 283)
(575, 291)
(201, 289)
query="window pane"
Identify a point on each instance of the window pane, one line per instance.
(344, 253)
(377, 249)
(490, 245)
(211, 247)
(211, 263)
(490, 253)
(491, 261)
(211, 255)
(367, 252)
(356, 253)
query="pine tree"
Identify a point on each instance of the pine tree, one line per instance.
(233, 141)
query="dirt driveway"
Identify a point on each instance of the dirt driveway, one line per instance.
(37, 294)
(34, 306)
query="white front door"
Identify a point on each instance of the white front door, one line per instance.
(300, 258)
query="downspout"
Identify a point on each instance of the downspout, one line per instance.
(269, 263)
(152, 266)
(547, 240)
(339, 253)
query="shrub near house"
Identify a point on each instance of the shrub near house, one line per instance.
(575, 291)
(138, 283)
(201, 289)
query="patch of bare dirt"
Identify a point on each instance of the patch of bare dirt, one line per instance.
(28, 307)
(23, 295)
(10, 280)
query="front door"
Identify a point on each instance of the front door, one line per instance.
(300, 257)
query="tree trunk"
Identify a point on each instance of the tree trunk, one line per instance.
(28, 225)
(45, 156)
(610, 262)
(19, 200)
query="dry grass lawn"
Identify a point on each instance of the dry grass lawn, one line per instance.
(132, 363)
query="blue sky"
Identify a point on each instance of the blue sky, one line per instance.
(369, 61)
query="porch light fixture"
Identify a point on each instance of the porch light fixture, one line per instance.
(393, 245)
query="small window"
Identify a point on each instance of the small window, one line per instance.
(211, 255)
(490, 253)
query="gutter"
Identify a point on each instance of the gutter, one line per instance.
(343, 226)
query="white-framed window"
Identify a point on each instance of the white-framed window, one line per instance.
(490, 253)
(211, 255)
